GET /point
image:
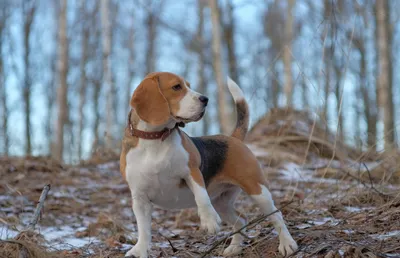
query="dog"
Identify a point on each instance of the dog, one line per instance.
(165, 167)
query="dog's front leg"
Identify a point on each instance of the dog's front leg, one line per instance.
(209, 218)
(142, 209)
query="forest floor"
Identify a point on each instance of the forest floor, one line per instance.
(334, 207)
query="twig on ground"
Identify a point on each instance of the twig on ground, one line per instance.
(253, 223)
(174, 249)
(369, 175)
(366, 186)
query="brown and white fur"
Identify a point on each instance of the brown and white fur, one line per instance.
(181, 172)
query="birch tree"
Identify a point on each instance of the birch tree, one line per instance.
(201, 83)
(273, 25)
(217, 66)
(107, 77)
(287, 53)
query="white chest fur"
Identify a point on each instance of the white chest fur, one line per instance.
(155, 169)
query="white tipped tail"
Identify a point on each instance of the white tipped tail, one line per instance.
(235, 90)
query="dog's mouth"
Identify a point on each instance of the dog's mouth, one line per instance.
(200, 115)
(195, 119)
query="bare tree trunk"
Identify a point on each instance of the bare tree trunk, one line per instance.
(370, 116)
(51, 92)
(391, 107)
(113, 14)
(384, 80)
(96, 111)
(339, 101)
(83, 78)
(327, 90)
(229, 37)
(369, 113)
(201, 86)
(328, 55)
(365, 95)
(217, 66)
(358, 114)
(50, 104)
(28, 14)
(96, 77)
(304, 93)
(151, 40)
(62, 90)
(4, 108)
(3, 95)
(3, 92)
(274, 87)
(131, 61)
(229, 34)
(287, 54)
(107, 79)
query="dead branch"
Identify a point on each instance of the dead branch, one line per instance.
(174, 249)
(372, 187)
(39, 207)
(251, 224)
(25, 252)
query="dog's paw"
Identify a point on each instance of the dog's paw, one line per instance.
(287, 246)
(210, 221)
(232, 250)
(137, 252)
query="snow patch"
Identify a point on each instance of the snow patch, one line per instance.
(64, 238)
(7, 233)
(395, 233)
(357, 209)
(323, 221)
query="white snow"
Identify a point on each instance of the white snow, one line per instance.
(395, 233)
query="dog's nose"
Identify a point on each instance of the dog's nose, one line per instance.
(204, 100)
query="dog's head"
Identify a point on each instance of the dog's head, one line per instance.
(163, 96)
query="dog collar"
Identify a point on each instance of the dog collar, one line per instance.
(163, 134)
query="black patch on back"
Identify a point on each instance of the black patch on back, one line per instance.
(213, 154)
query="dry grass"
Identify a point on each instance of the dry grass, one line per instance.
(338, 208)
(26, 244)
(289, 135)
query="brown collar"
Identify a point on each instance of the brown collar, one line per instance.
(163, 134)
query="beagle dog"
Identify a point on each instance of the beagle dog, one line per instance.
(163, 166)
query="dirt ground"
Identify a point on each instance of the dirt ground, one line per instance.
(334, 207)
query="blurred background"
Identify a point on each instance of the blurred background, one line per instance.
(68, 68)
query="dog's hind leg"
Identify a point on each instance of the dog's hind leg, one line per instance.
(287, 245)
(224, 205)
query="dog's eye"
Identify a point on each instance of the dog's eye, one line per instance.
(177, 87)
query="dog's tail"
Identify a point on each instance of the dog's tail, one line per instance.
(242, 109)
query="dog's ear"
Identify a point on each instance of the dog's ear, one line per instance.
(149, 103)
